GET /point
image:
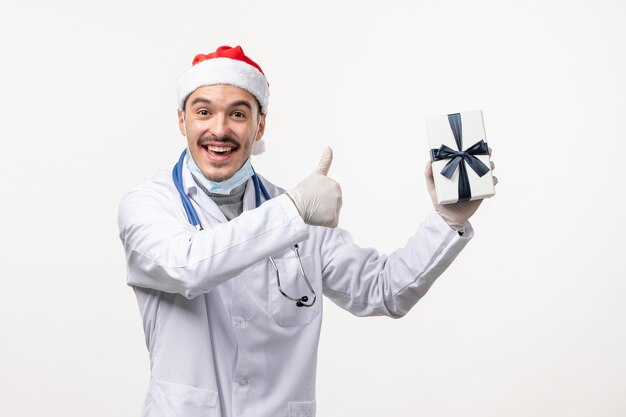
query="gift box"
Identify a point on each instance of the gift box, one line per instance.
(460, 156)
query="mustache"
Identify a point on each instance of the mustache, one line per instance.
(226, 139)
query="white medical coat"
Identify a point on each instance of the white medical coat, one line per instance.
(222, 340)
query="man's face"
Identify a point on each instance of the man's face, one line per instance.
(222, 124)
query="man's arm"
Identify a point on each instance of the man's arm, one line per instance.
(166, 253)
(366, 283)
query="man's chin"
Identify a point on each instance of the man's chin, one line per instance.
(217, 177)
(217, 172)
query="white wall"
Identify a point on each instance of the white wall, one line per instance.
(528, 322)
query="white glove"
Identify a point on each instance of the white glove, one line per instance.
(455, 214)
(318, 198)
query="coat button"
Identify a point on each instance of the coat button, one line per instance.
(243, 382)
(240, 321)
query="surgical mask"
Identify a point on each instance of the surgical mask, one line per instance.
(222, 187)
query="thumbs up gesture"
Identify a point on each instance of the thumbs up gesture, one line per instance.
(318, 198)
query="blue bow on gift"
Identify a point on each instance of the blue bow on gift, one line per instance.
(460, 157)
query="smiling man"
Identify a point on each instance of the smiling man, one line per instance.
(229, 269)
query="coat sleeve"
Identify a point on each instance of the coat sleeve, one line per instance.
(164, 252)
(367, 283)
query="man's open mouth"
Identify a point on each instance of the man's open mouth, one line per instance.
(219, 151)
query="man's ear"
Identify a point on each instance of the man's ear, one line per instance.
(261, 130)
(181, 122)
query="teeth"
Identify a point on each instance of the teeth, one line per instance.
(219, 148)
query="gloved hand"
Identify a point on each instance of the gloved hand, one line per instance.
(455, 214)
(318, 198)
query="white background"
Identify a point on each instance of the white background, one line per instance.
(529, 321)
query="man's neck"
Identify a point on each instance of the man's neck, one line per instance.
(231, 205)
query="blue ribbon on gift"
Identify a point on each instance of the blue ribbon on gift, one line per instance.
(457, 159)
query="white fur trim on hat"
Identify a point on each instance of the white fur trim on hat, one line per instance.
(224, 71)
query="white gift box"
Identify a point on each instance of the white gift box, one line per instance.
(464, 159)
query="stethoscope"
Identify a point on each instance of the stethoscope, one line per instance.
(259, 189)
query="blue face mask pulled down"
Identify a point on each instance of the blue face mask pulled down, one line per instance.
(223, 187)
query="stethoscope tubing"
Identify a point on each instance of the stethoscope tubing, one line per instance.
(177, 176)
(192, 215)
(259, 189)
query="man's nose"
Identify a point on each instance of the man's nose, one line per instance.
(219, 125)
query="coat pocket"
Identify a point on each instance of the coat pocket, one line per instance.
(292, 282)
(302, 409)
(168, 399)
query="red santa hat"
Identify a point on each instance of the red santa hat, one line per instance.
(224, 66)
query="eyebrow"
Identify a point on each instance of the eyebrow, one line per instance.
(199, 100)
(242, 103)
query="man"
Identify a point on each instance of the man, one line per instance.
(232, 307)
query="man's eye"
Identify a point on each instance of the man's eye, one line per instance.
(203, 112)
(239, 114)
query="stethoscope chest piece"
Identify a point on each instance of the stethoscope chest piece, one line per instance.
(301, 301)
